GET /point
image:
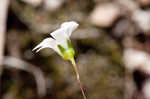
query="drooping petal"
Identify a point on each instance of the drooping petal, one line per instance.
(47, 43)
(69, 27)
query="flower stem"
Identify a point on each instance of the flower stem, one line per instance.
(78, 77)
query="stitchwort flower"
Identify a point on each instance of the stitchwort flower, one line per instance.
(61, 44)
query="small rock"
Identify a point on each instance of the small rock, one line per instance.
(144, 2)
(134, 59)
(52, 5)
(105, 15)
(142, 19)
(129, 5)
(33, 2)
(146, 89)
(86, 33)
(121, 27)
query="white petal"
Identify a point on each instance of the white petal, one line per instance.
(47, 43)
(63, 33)
(69, 27)
(60, 36)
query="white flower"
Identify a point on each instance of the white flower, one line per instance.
(60, 41)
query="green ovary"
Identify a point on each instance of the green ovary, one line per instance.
(68, 54)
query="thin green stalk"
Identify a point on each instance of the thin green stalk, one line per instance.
(78, 77)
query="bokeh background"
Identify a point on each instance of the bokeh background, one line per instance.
(111, 44)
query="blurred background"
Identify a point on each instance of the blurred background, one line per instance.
(111, 44)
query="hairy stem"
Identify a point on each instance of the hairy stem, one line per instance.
(78, 77)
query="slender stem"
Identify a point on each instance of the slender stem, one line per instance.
(78, 77)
